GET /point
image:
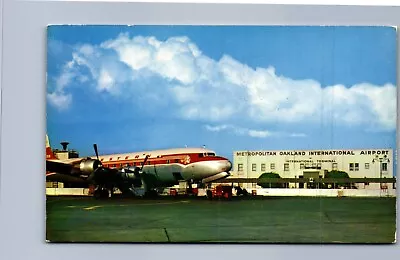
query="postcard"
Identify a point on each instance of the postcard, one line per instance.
(221, 134)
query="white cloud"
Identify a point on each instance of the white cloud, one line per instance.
(238, 130)
(250, 132)
(173, 59)
(217, 128)
(59, 100)
(105, 81)
(64, 79)
(87, 50)
(297, 135)
(200, 88)
(83, 79)
(258, 133)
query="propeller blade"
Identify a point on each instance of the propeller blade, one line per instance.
(137, 170)
(102, 175)
(144, 162)
(95, 151)
(91, 177)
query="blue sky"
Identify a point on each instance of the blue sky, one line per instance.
(130, 88)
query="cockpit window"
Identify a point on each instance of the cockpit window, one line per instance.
(206, 154)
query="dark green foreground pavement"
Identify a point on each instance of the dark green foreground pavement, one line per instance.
(270, 220)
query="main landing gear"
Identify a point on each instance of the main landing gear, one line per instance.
(101, 193)
(151, 194)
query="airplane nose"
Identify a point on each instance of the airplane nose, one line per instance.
(228, 166)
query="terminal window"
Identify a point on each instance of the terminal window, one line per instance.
(272, 166)
(351, 166)
(286, 167)
(356, 167)
(263, 167)
(366, 166)
(384, 166)
(314, 165)
(302, 166)
(334, 166)
(240, 167)
(253, 167)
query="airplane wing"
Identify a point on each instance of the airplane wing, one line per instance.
(59, 167)
(59, 177)
(90, 170)
(70, 170)
(61, 171)
(73, 166)
(78, 173)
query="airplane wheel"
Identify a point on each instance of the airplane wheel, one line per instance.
(97, 193)
(209, 194)
(151, 194)
(105, 194)
(101, 194)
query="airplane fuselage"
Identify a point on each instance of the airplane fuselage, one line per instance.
(150, 169)
(167, 167)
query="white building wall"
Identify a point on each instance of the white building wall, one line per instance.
(365, 159)
(62, 155)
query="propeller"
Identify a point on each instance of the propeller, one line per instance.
(99, 169)
(144, 162)
(102, 174)
(95, 151)
(138, 170)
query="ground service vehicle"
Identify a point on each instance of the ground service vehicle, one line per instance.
(220, 191)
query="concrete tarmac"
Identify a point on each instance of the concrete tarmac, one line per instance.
(198, 220)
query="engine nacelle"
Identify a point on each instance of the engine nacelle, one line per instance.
(89, 165)
(129, 173)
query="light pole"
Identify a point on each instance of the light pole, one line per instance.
(381, 160)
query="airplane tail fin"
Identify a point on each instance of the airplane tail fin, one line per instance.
(49, 153)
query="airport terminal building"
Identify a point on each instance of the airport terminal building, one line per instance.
(369, 163)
